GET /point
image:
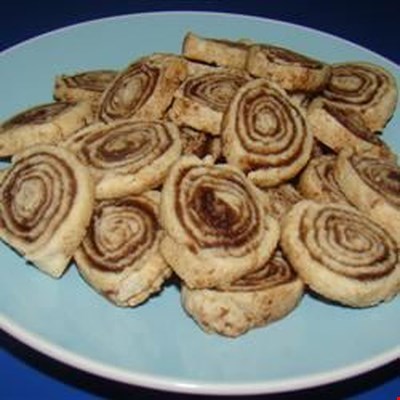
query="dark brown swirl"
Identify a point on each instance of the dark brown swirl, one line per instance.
(269, 127)
(120, 233)
(124, 146)
(217, 209)
(356, 84)
(348, 243)
(95, 81)
(36, 196)
(275, 272)
(37, 115)
(381, 175)
(214, 89)
(128, 92)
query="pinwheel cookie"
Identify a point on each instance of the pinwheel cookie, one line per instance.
(144, 89)
(291, 70)
(257, 299)
(203, 98)
(127, 156)
(46, 201)
(216, 228)
(364, 88)
(341, 253)
(213, 51)
(265, 134)
(373, 185)
(119, 257)
(43, 124)
(87, 85)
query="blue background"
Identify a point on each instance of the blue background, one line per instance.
(24, 373)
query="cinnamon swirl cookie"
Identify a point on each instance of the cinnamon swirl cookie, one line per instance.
(43, 124)
(213, 51)
(87, 85)
(216, 228)
(317, 181)
(119, 257)
(46, 201)
(257, 299)
(144, 89)
(265, 134)
(341, 253)
(127, 157)
(340, 128)
(373, 185)
(364, 88)
(291, 70)
(202, 99)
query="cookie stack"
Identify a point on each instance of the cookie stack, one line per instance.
(248, 172)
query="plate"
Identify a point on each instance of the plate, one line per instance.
(157, 345)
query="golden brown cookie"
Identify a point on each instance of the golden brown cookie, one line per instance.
(221, 52)
(127, 156)
(341, 253)
(373, 185)
(257, 299)
(203, 98)
(290, 70)
(364, 88)
(265, 134)
(216, 228)
(44, 124)
(119, 257)
(46, 201)
(144, 89)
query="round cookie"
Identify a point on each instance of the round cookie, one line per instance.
(341, 254)
(46, 201)
(265, 134)
(119, 256)
(259, 298)
(127, 156)
(216, 228)
(44, 124)
(373, 185)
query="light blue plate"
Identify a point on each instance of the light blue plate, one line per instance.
(156, 344)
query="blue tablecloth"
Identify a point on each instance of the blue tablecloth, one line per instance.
(26, 374)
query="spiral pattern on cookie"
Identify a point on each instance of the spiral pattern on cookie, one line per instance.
(381, 175)
(129, 92)
(95, 81)
(218, 210)
(120, 233)
(276, 271)
(347, 243)
(125, 146)
(214, 89)
(36, 196)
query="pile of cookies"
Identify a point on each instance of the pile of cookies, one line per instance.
(248, 172)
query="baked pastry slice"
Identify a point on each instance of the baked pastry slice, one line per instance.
(44, 124)
(203, 98)
(265, 134)
(119, 257)
(144, 89)
(373, 185)
(259, 298)
(127, 156)
(364, 88)
(220, 52)
(87, 85)
(216, 228)
(341, 254)
(46, 201)
(290, 70)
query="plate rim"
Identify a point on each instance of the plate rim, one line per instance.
(154, 381)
